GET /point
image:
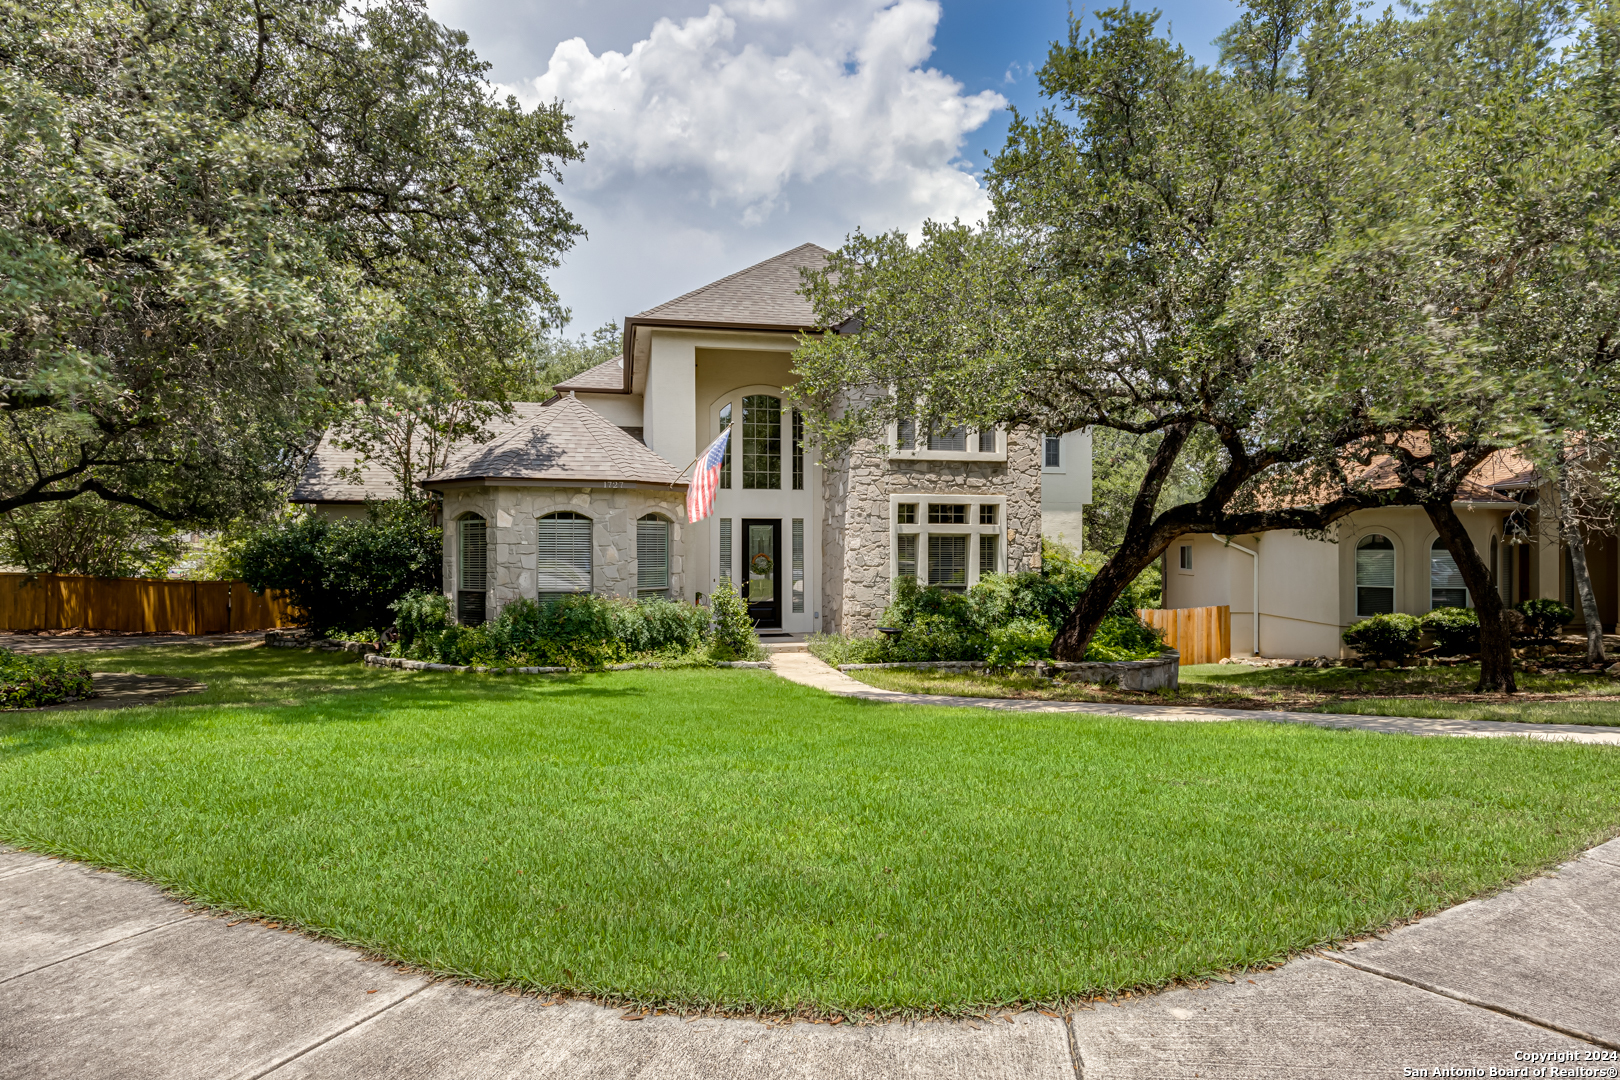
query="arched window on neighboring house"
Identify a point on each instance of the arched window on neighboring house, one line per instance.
(652, 557)
(1446, 587)
(1375, 576)
(472, 569)
(562, 555)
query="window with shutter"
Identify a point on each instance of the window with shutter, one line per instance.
(906, 556)
(472, 569)
(1446, 588)
(474, 555)
(652, 557)
(1375, 575)
(798, 566)
(947, 562)
(725, 549)
(952, 439)
(562, 554)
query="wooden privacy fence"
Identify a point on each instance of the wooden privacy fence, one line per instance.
(1203, 635)
(149, 605)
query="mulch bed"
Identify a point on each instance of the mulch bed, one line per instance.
(123, 690)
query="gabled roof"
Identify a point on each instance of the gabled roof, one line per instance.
(321, 482)
(566, 442)
(765, 295)
(608, 376)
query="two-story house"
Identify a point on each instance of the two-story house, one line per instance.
(588, 492)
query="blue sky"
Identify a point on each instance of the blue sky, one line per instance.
(723, 133)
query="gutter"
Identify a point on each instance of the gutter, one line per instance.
(1255, 581)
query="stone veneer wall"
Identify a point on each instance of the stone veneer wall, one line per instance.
(511, 512)
(856, 529)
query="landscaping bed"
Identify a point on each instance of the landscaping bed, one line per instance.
(32, 681)
(726, 840)
(1554, 698)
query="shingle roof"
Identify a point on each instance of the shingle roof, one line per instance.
(765, 294)
(321, 480)
(565, 441)
(608, 375)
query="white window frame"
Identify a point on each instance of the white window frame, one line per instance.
(1395, 573)
(972, 453)
(1184, 558)
(972, 529)
(1468, 596)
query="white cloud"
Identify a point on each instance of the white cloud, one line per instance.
(725, 137)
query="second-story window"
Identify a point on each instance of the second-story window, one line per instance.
(953, 439)
(762, 442)
(1054, 452)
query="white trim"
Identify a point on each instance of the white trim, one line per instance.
(895, 454)
(921, 529)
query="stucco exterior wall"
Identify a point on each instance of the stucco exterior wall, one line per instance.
(511, 511)
(857, 525)
(1308, 586)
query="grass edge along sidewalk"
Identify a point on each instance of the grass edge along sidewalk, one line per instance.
(1431, 693)
(788, 853)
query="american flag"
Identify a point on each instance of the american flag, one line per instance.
(700, 494)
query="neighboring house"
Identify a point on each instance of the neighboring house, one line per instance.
(1383, 560)
(587, 493)
(336, 484)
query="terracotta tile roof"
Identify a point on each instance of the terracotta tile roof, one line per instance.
(566, 441)
(766, 294)
(320, 481)
(608, 375)
(1500, 470)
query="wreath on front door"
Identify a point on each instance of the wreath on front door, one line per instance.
(761, 564)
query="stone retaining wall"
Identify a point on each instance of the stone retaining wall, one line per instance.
(1164, 671)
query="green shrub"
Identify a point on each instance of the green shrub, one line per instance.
(420, 618)
(935, 637)
(733, 634)
(1392, 636)
(1455, 630)
(1123, 636)
(837, 649)
(661, 626)
(1020, 641)
(582, 632)
(29, 682)
(1543, 618)
(342, 572)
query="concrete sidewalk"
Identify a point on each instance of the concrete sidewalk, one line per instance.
(809, 671)
(105, 977)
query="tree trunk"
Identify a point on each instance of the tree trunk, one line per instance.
(1571, 530)
(1136, 552)
(1495, 640)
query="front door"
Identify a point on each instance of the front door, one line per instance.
(762, 555)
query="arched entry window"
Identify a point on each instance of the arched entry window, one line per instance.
(1375, 576)
(472, 569)
(562, 554)
(1446, 587)
(652, 557)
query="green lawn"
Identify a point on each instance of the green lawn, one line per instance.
(729, 839)
(1431, 692)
